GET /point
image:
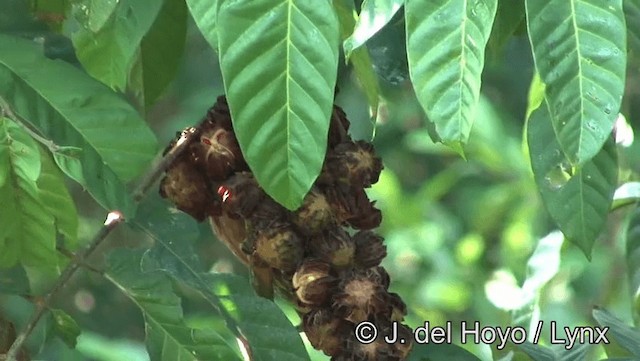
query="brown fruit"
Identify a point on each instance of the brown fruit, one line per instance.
(338, 128)
(397, 307)
(313, 282)
(334, 246)
(370, 249)
(351, 205)
(187, 189)
(314, 215)
(351, 163)
(279, 247)
(325, 331)
(360, 296)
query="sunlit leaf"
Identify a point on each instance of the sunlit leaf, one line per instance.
(374, 14)
(446, 46)
(99, 133)
(578, 199)
(57, 200)
(168, 338)
(109, 53)
(579, 52)
(281, 111)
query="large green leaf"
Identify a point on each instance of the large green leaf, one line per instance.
(161, 50)
(579, 50)
(359, 58)
(509, 18)
(374, 14)
(93, 14)
(279, 61)
(269, 333)
(57, 200)
(446, 42)
(205, 14)
(102, 134)
(168, 337)
(109, 53)
(619, 332)
(27, 232)
(632, 17)
(577, 198)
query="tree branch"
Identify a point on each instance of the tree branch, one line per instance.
(114, 218)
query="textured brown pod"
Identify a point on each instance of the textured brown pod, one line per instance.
(280, 247)
(370, 249)
(313, 282)
(397, 307)
(334, 246)
(360, 296)
(325, 331)
(186, 187)
(351, 163)
(314, 215)
(352, 206)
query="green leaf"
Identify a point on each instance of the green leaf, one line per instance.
(440, 352)
(537, 352)
(579, 52)
(625, 336)
(57, 200)
(73, 110)
(509, 18)
(446, 42)
(205, 14)
(268, 331)
(374, 15)
(536, 94)
(161, 50)
(633, 257)
(577, 198)
(27, 230)
(168, 338)
(14, 281)
(281, 111)
(626, 194)
(109, 53)
(360, 59)
(65, 327)
(93, 14)
(632, 17)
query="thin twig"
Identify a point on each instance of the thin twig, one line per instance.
(114, 218)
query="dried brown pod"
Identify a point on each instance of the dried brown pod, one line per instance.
(360, 296)
(187, 189)
(370, 249)
(219, 114)
(313, 282)
(351, 163)
(280, 247)
(325, 331)
(352, 206)
(338, 127)
(314, 215)
(397, 307)
(334, 246)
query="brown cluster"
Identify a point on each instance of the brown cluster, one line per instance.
(323, 257)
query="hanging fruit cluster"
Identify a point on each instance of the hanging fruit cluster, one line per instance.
(323, 257)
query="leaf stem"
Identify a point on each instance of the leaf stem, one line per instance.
(114, 218)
